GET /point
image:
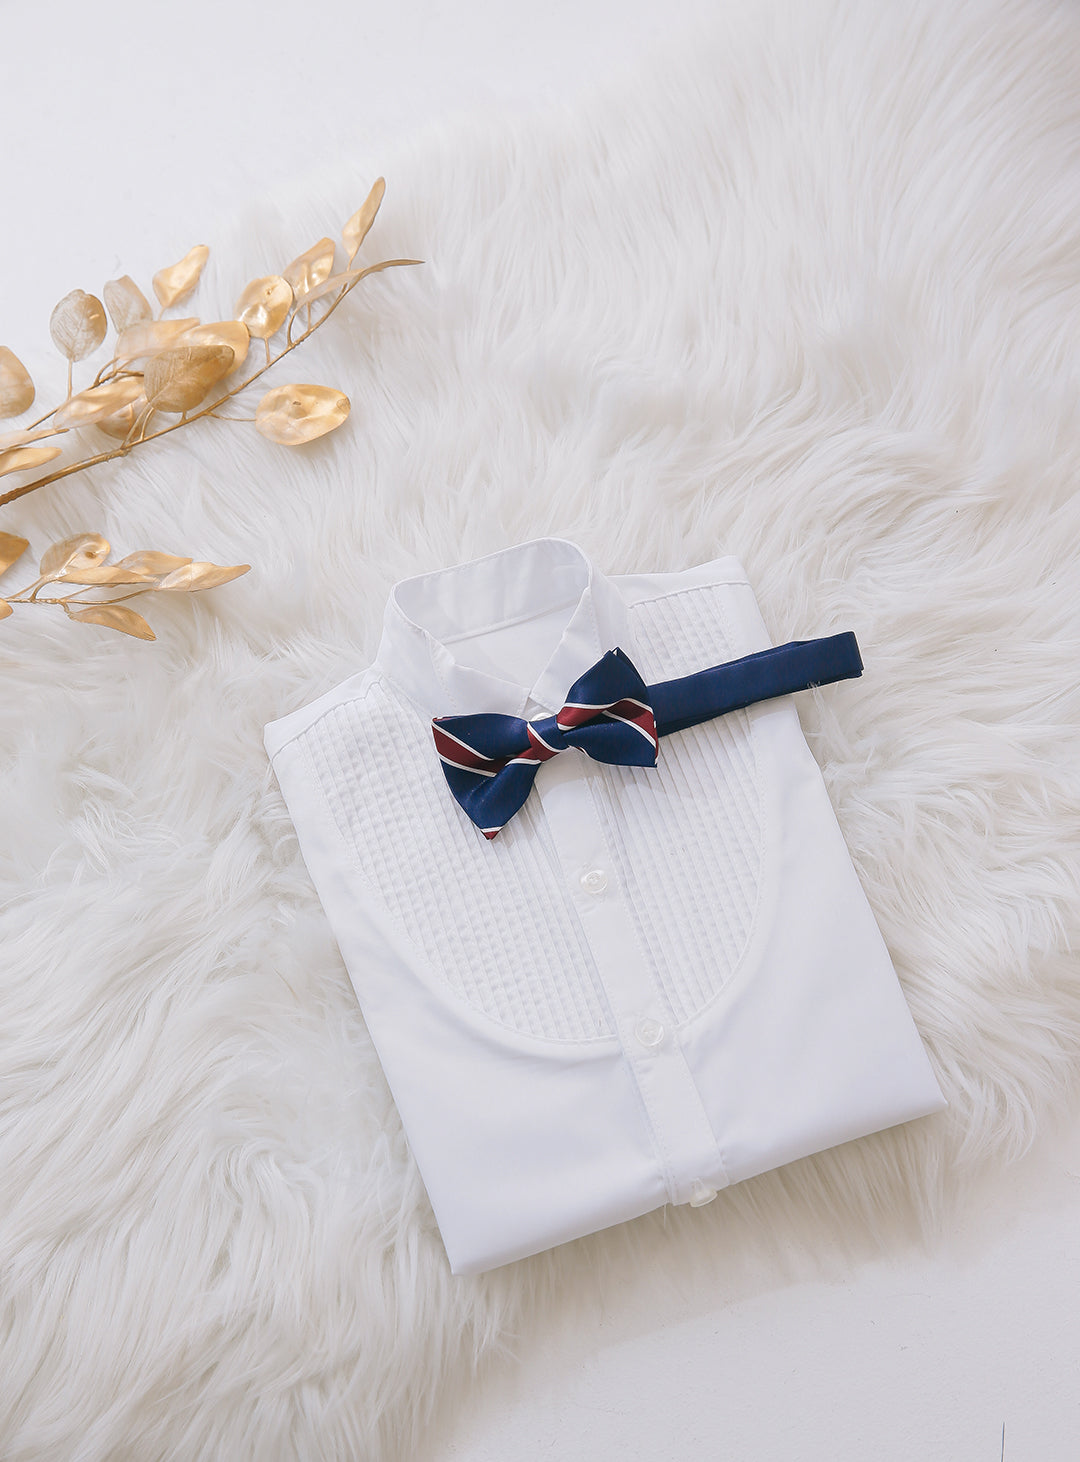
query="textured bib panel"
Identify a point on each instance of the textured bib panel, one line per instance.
(691, 854)
(497, 924)
(499, 930)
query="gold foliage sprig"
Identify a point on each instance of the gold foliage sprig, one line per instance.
(162, 368)
(79, 562)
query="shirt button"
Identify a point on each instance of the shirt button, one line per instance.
(700, 1194)
(648, 1031)
(595, 881)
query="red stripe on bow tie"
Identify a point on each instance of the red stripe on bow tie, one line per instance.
(634, 712)
(458, 754)
(539, 750)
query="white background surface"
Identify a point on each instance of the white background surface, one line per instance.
(129, 131)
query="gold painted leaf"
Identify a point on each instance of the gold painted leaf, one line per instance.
(149, 561)
(16, 387)
(106, 574)
(12, 547)
(295, 414)
(194, 576)
(356, 230)
(178, 379)
(232, 333)
(83, 551)
(5, 609)
(350, 276)
(175, 283)
(328, 285)
(126, 303)
(119, 424)
(21, 438)
(311, 267)
(98, 401)
(18, 459)
(150, 337)
(78, 324)
(264, 304)
(115, 616)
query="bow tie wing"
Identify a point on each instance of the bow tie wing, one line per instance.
(479, 741)
(485, 759)
(608, 714)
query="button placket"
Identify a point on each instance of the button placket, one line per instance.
(681, 1131)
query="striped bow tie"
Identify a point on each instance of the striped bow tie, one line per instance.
(490, 760)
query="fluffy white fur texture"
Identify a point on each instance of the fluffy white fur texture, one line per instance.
(809, 295)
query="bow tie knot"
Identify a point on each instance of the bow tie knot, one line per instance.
(491, 760)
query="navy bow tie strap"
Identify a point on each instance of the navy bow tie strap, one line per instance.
(491, 760)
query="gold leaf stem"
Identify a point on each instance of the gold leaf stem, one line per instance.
(34, 592)
(75, 598)
(31, 593)
(17, 492)
(34, 424)
(119, 598)
(128, 445)
(138, 426)
(34, 599)
(118, 371)
(30, 589)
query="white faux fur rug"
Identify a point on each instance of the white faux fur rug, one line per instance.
(810, 296)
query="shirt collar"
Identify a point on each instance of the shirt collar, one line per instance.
(426, 614)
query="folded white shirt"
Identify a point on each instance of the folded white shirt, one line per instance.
(655, 981)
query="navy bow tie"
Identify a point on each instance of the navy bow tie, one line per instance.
(491, 760)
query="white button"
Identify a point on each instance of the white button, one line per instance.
(595, 881)
(648, 1031)
(700, 1194)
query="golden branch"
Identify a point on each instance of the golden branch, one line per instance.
(172, 366)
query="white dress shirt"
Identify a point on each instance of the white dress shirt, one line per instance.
(655, 981)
